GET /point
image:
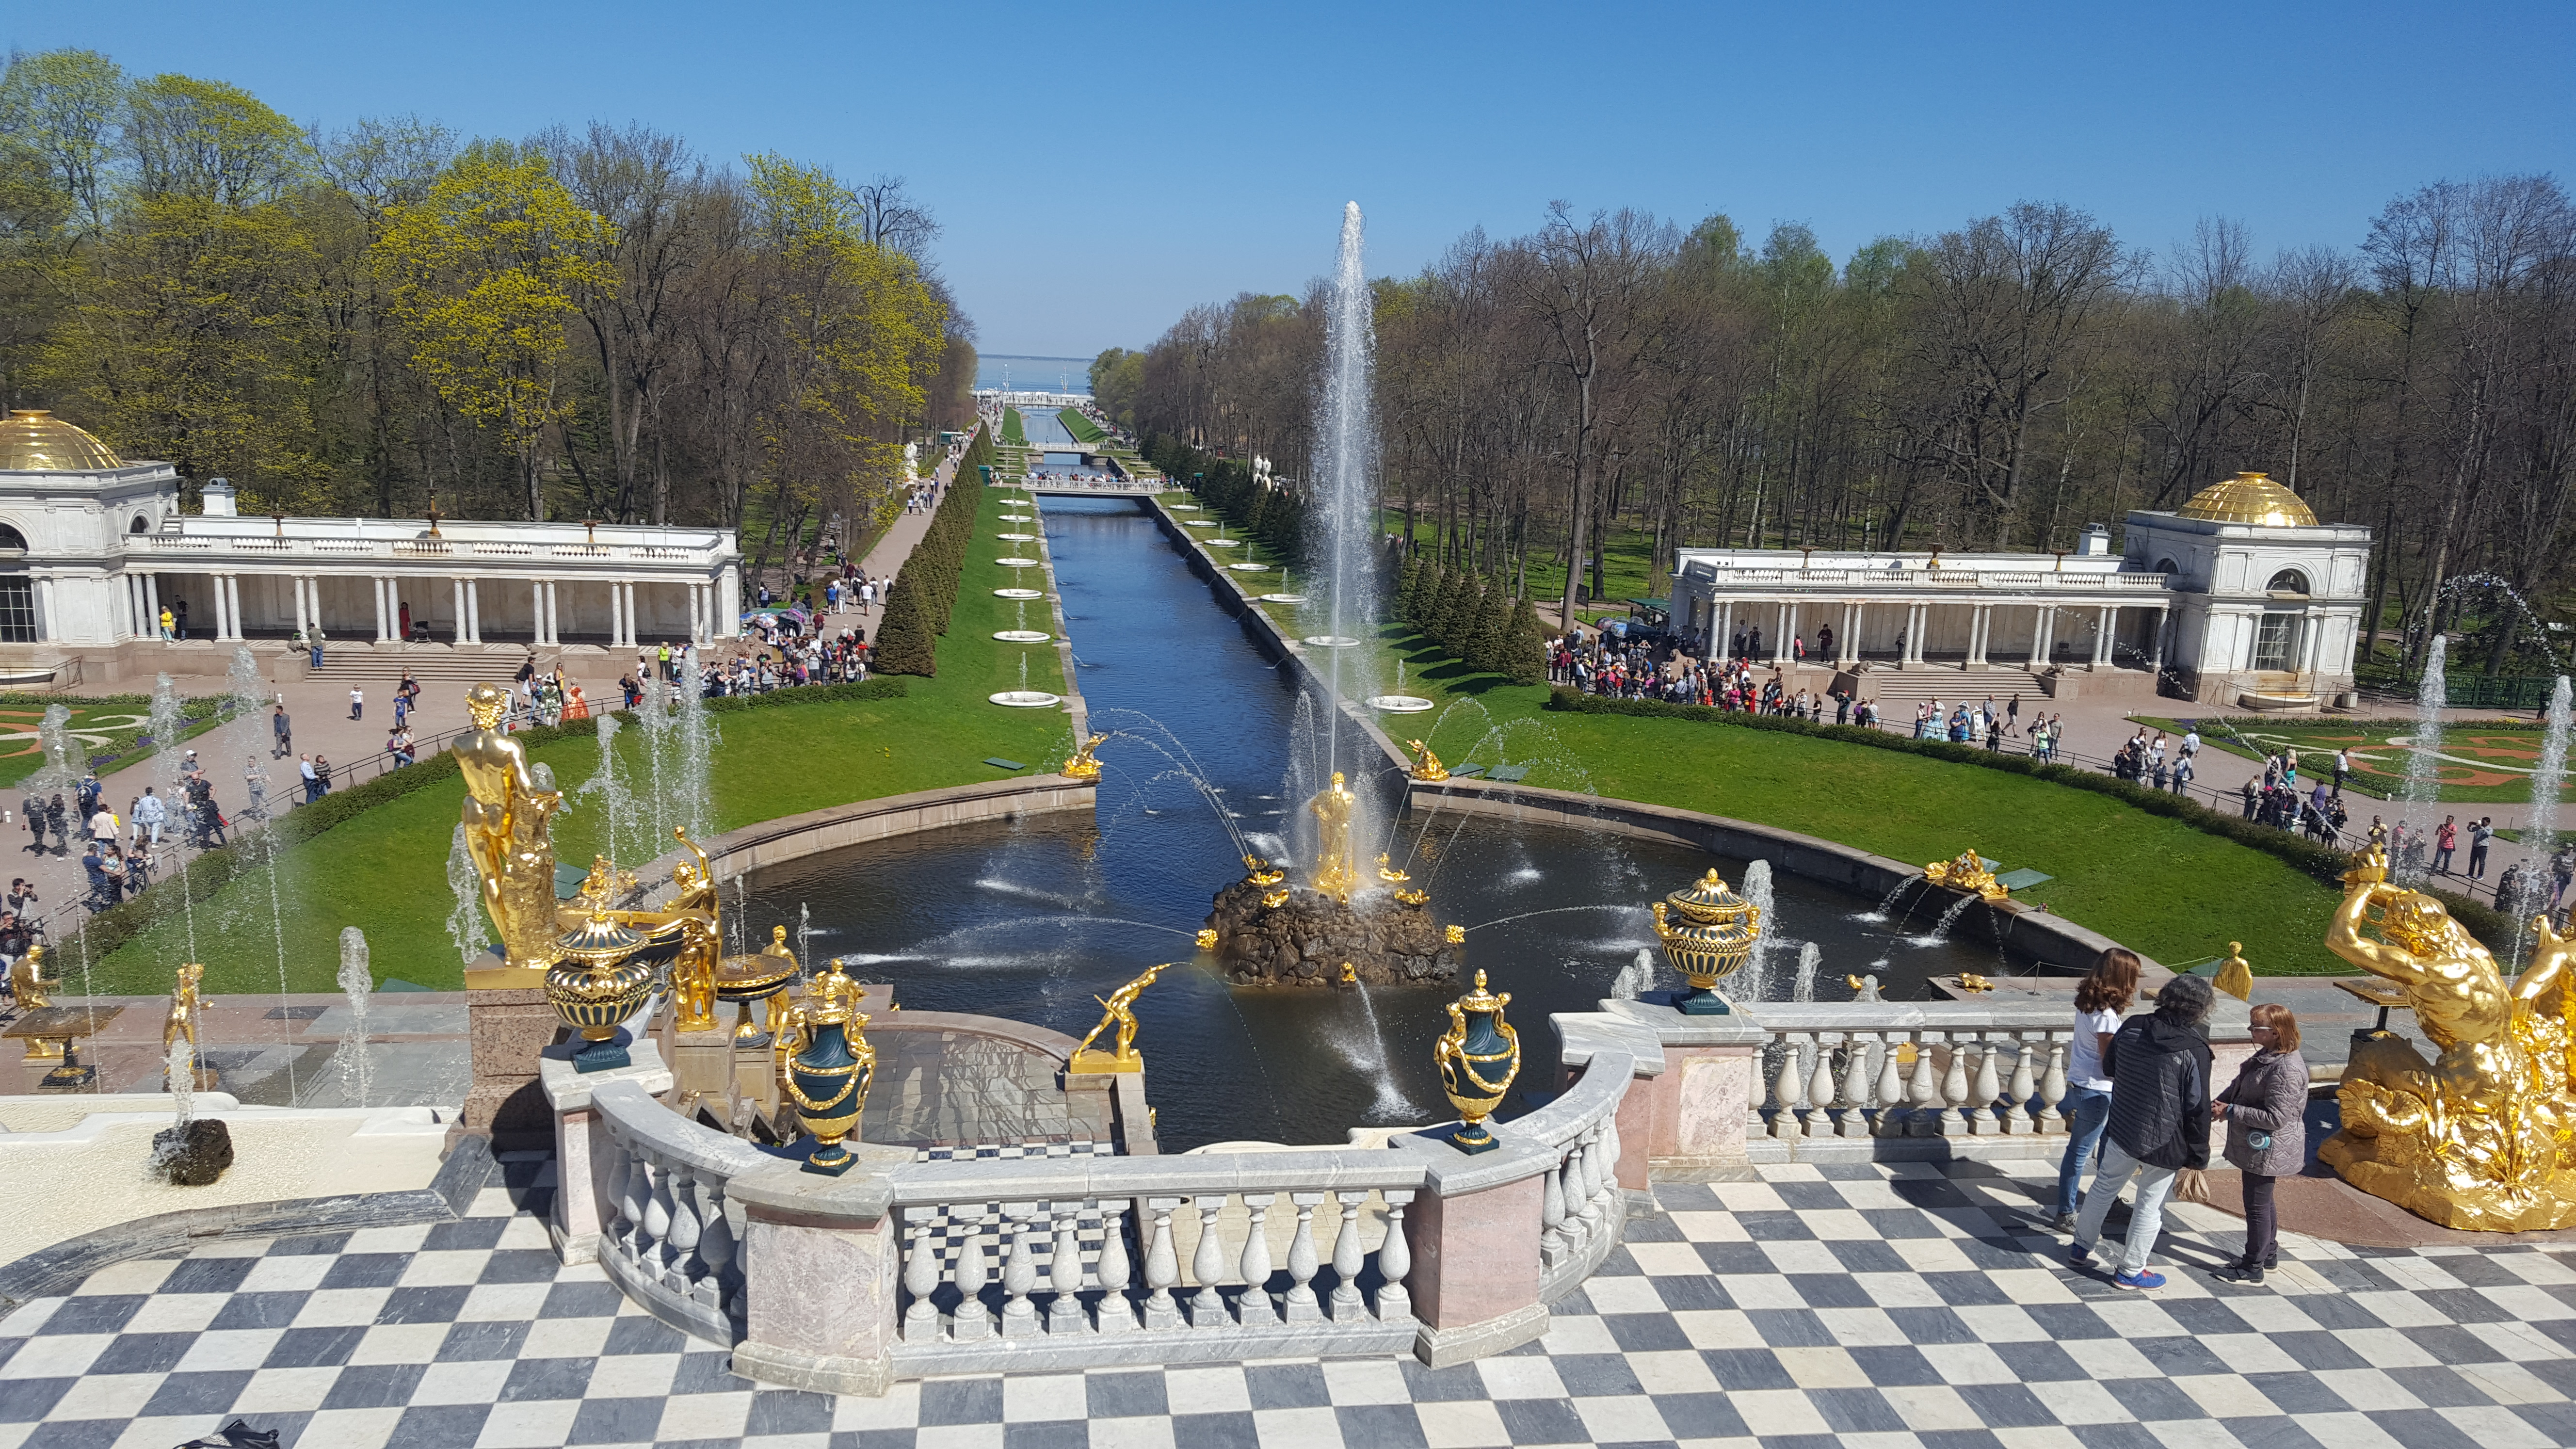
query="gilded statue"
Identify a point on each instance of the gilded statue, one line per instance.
(1121, 1015)
(1426, 765)
(1085, 765)
(1337, 867)
(2473, 1140)
(29, 983)
(2235, 974)
(1967, 873)
(509, 812)
(1389, 873)
(186, 1010)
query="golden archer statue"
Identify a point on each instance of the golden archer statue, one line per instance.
(1337, 868)
(2473, 1140)
(1121, 1015)
(509, 813)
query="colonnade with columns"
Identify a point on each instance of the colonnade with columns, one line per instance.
(1783, 620)
(630, 618)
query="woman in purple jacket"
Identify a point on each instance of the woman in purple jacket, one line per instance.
(2265, 1109)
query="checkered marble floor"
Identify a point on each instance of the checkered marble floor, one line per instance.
(1865, 1306)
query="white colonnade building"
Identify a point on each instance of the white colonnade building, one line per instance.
(93, 549)
(2239, 598)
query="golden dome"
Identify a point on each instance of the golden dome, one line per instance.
(2249, 498)
(35, 441)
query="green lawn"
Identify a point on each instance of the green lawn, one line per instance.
(386, 871)
(106, 732)
(2172, 891)
(1014, 428)
(1084, 430)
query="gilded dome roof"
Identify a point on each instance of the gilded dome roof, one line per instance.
(2249, 498)
(35, 441)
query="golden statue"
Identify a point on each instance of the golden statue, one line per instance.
(2475, 1139)
(185, 1010)
(1122, 1015)
(1413, 898)
(508, 814)
(1083, 765)
(1207, 938)
(1967, 873)
(1258, 871)
(2235, 977)
(1337, 868)
(1388, 873)
(29, 983)
(1426, 765)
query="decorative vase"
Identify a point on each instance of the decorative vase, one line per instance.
(831, 1068)
(595, 984)
(1478, 1058)
(1715, 936)
(761, 976)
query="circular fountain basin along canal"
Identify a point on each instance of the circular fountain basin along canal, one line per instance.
(1033, 919)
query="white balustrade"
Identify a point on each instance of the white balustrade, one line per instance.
(1881, 1069)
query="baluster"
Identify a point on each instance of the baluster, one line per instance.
(1757, 1090)
(1019, 1271)
(1956, 1115)
(1347, 1307)
(2052, 1088)
(1820, 1091)
(1788, 1085)
(1162, 1266)
(1553, 1245)
(1117, 1315)
(1617, 1195)
(683, 1243)
(1583, 1189)
(657, 1218)
(1064, 1271)
(613, 1174)
(1569, 1180)
(1923, 1090)
(1207, 1265)
(1891, 1086)
(921, 1278)
(1603, 1173)
(1395, 1261)
(1856, 1101)
(1256, 1305)
(715, 1246)
(632, 1195)
(2017, 1118)
(1984, 1091)
(974, 1320)
(1300, 1305)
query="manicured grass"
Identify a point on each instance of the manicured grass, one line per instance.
(385, 872)
(1084, 430)
(2379, 768)
(106, 732)
(2172, 891)
(1014, 428)
(1623, 555)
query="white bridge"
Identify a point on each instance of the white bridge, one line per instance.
(1032, 399)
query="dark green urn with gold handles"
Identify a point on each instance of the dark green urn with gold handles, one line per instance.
(1478, 1058)
(829, 1066)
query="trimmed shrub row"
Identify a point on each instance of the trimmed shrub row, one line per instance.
(925, 588)
(1274, 516)
(1476, 620)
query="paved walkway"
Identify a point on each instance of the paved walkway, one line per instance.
(1871, 1307)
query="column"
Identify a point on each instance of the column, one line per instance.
(45, 628)
(621, 600)
(2110, 614)
(1847, 638)
(2038, 637)
(1980, 619)
(228, 607)
(133, 604)
(473, 612)
(1723, 645)
(1789, 646)
(152, 602)
(2156, 655)
(376, 591)
(458, 585)
(729, 605)
(536, 611)
(1912, 653)
(697, 614)
(554, 615)
(1780, 635)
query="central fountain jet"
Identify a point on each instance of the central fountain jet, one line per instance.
(1341, 927)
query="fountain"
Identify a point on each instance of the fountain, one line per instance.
(1757, 890)
(1810, 957)
(2423, 787)
(465, 921)
(356, 1054)
(697, 738)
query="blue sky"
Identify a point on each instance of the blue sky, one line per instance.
(1099, 168)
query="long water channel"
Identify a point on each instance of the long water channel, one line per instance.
(1034, 919)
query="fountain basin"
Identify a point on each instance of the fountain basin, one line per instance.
(1016, 537)
(1198, 523)
(1249, 568)
(1017, 563)
(1182, 507)
(1222, 542)
(1018, 594)
(1283, 598)
(1329, 641)
(1025, 699)
(1022, 636)
(1399, 703)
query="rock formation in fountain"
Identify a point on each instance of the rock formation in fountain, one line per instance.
(1304, 939)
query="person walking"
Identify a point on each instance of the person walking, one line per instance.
(2265, 1110)
(34, 810)
(2445, 840)
(149, 814)
(357, 702)
(2159, 1067)
(312, 785)
(58, 820)
(2099, 1000)
(281, 732)
(2480, 834)
(2342, 769)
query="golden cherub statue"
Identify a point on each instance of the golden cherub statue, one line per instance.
(29, 983)
(185, 1010)
(1084, 765)
(1337, 866)
(1121, 1014)
(508, 814)
(2473, 1140)
(1426, 765)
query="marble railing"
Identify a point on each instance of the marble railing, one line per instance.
(1916, 1069)
(669, 1237)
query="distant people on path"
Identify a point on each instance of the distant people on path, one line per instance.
(2480, 834)
(357, 702)
(281, 735)
(2160, 1114)
(2100, 999)
(2446, 839)
(312, 781)
(2265, 1109)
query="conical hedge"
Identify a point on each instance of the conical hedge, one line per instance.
(1522, 662)
(904, 640)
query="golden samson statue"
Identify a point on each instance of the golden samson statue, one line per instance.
(1337, 865)
(2479, 1139)
(509, 813)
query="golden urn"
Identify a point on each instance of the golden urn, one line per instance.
(1712, 938)
(595, 984)
(1478, 1058)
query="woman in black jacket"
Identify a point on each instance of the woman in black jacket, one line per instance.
(2159, 1070)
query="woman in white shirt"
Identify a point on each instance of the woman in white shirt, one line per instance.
(2099, 1001)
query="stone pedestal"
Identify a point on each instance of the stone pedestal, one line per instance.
(507, 1026)
(821, 1263)
(578, 1140)
(702, 1063)
(1476, 1254)
(1689, 1121)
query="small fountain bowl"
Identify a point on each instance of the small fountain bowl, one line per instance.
(1018, 594)
(1026, 699)
(1223, 542)
(1017, 563)
(1249, 568)
(1016, 537)
(1283, 598)
(1022, 636)
(1329, 641)
(1399, 703)
(1198, 523)
(1182, 507)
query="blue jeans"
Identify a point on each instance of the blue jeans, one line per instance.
(2087, 1111)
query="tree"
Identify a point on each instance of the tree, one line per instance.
(1490, 650)
(62, 106)
(485, 273)
(1522, 662)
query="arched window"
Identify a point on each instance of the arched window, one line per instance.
(2288, 581)
(141, 524)
(11, 540)
(2167, 566)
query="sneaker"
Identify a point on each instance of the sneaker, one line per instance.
(2246, 1273)
(2079, 1256)
(2140, 1279)
(2066, 1222)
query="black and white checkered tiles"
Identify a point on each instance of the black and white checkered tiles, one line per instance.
(1867, 1307)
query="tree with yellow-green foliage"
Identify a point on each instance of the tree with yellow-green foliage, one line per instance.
(483, 275)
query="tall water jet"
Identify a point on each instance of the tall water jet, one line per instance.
(696, 739)
(2423, 763)
(357, 1062)
(1810, 956)
(1347, 472)
(1757, 889)
(618, 826)
(2549, 776)
(167, 726)
(54, 738)
(465, 920)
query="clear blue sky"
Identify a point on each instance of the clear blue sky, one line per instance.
(1099, 168)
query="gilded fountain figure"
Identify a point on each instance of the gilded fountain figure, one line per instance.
(1967, 872)
(509, 812)
(1426, 765)
(1119, 1017)
(1084, 765)
(1337, 865)
(2476, 1139)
